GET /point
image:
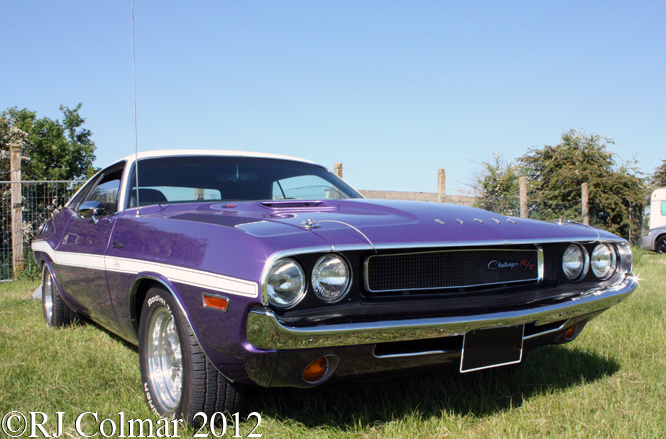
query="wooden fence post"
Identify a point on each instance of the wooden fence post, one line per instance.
(584, 202)
(523, 197)
(441, 186)
(337, 169)
(17, 208)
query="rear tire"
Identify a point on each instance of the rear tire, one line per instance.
(178, 380)
(56, 312)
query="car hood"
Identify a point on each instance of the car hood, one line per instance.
(384, 223)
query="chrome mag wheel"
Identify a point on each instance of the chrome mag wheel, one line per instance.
(178, 379)
(47, 295)
(165, 360)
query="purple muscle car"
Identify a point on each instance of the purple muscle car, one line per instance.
(231, 269)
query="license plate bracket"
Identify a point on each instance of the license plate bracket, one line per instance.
(486, 348)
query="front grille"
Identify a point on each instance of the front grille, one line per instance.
(451, 269)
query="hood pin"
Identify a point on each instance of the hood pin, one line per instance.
(309, 224)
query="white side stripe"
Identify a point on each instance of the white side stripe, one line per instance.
(197, 278)
(44, 247)
(188, 276)
(83, 260)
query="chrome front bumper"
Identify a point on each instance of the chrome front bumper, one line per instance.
(264, 331)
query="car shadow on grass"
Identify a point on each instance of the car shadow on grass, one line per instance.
(482, 393)
(84, 321)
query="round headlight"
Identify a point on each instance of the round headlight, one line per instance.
(574, 262)
(285, 283)
(330, 278)
(603, 261)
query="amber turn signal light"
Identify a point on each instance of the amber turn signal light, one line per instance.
(315, 371)
(216, 302)
(571, 333)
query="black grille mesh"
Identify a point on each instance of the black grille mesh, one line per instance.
(450, 269)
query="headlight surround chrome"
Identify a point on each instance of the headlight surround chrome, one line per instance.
(575, 262)
(331, 278)
(285, 283)
(603, 261)
(626, 259)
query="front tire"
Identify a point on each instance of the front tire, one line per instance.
(660, 245)
(56, 312)
(178, 380)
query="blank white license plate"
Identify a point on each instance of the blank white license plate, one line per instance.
(485, 348)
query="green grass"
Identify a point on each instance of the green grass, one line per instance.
(610, 382)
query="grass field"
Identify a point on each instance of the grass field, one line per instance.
(610, 382)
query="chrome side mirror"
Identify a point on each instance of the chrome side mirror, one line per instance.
(91, 209)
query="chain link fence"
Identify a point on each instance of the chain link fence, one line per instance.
(39, 200)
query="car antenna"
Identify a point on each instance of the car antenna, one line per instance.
(136, 142)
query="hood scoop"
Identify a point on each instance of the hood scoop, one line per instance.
(292, 204)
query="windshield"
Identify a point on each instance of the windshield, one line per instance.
(168, 180)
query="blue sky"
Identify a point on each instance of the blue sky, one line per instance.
(393, 90)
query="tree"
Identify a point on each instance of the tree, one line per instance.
(10, 136)
(52, 150)
(617, 195)
(497, 186)
(659, 177)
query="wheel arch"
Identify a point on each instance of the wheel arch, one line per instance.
(659, 236)
(45, 261)
(138, 292)
(654, 240)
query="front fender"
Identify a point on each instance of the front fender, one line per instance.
(221, 335)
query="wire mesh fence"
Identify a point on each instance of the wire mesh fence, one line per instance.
(19, 222)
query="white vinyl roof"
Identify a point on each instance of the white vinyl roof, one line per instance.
(211, 152)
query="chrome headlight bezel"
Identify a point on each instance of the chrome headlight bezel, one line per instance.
(581, 272)
(611, 268)
(317, 285)
(625, 257)
(274, 297)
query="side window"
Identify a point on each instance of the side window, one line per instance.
(106, 191)
(663, 208)
(81, 195)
